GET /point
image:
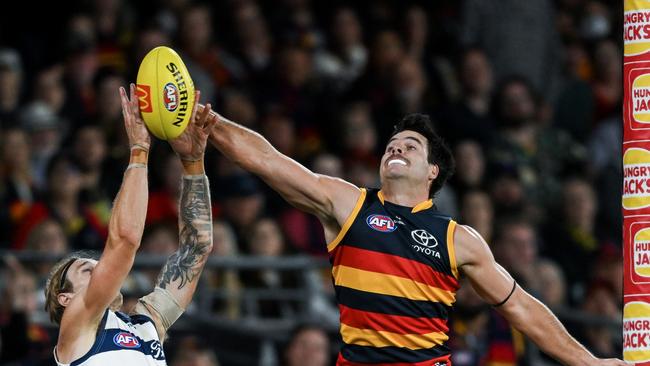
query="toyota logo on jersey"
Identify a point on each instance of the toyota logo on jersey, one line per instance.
(381, 223)
(423, 238)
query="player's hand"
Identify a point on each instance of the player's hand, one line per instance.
(136, 130)
(190, 145)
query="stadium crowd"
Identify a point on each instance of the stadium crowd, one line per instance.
(528, 95)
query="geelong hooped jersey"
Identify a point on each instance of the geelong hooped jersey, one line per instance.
(395, 277)
(125, 341)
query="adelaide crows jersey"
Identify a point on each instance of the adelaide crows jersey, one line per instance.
(125, 341)
(395, 277)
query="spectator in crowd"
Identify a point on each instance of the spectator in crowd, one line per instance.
(203, 57)
(24, 342)
(192, 352)
(254, 41)
(572, 240)
(479, 335)
(89, 152)
(539, 155)
(243, 203)
(516, 249)
(600, 300)
(476, 211)
(62, 202)
(17, 190)
(11, 79)
(46, 131)
(49, 89)
(48, 238)
(552, 283)
(308, 344)
(470, 167)
(267, 241)
(346, 56)
(163, 202)
(608, 81)
(471, 118)
(525, 42)
(226, 280)
(359, 135)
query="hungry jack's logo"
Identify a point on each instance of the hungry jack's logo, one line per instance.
(143, 92)
(641, 252)
(640, 95)
(636, 331)
(636, 29)
(636, 178)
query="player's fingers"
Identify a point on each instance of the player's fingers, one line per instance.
(125, 104)
(195, 109)
(210, 122)
(134, 100)
(204, 115)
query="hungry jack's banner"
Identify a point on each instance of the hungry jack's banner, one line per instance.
(636, 182)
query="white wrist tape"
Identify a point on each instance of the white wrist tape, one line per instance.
(161, 301)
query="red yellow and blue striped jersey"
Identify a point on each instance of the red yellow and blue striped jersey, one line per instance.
(395, 277)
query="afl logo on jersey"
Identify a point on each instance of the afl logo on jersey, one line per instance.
(381, 223)
(126, 340)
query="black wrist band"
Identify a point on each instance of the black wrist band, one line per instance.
(514, 286)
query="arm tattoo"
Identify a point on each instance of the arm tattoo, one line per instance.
(195, 237)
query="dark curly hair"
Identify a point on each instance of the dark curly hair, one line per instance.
(438, 154)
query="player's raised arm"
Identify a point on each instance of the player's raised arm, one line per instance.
(523, 311)
(124, 230)
(179, 277)
(331, 199)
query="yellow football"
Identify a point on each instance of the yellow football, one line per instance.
(165, 93)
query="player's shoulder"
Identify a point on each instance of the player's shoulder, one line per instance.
(469, 245)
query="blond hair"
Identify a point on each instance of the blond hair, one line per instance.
(56, 284)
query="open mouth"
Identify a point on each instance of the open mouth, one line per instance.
(396, 161)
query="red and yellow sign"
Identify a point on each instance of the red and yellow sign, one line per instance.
(636, 182)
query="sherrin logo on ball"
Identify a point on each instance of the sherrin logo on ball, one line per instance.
(636, 178)
(165, 93)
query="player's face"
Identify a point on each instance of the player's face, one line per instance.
(79, 275)
(80, 272)
(406, 157)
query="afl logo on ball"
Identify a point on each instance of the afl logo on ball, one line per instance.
(381, 223)
(170, 97)
(126, 340)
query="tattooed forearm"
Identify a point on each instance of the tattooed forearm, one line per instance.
(195, 238)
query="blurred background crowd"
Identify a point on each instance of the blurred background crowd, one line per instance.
(527, 93)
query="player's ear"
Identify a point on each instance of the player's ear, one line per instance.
(434, 170)
(64, 298)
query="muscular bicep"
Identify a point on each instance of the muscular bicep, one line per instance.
(475, 260)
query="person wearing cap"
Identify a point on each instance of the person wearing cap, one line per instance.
(46, 130)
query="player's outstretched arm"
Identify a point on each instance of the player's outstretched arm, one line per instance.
(179, 277)
(125, 226)
(331, 199)
(523, 311)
